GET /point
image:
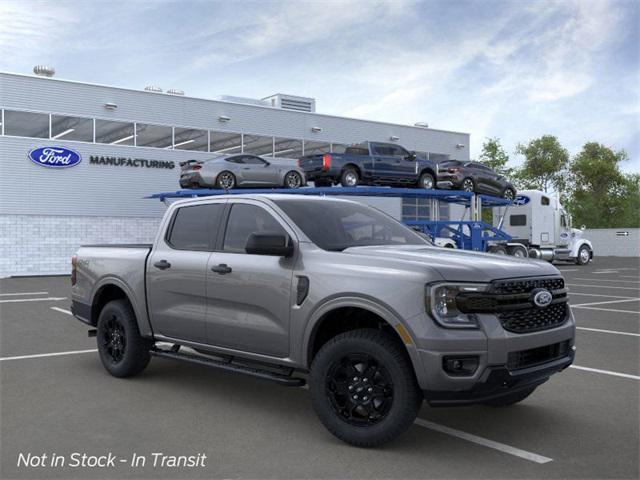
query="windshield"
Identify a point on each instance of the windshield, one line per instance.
(334, 225)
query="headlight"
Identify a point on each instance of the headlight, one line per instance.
(442, 304)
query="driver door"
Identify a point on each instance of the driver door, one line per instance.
(248, 305)
(257, 171)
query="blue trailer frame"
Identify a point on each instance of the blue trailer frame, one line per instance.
(473, 234)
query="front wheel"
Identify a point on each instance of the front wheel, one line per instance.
(363, 388)
(584, 255)
(426, 181)
(123, 352)
(293, 180)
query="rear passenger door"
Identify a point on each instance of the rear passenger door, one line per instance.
(249, 304)
(177, 272)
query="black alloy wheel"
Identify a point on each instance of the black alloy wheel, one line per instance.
(509, 194)
(293, 180)
(114, 340)
(360, 389)
(468, 185)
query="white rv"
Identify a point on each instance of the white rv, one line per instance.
(541, 228)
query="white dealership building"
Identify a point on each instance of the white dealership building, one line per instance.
(127, 144)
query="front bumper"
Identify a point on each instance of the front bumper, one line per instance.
(498, 382)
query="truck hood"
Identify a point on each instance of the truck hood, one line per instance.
(459, 265)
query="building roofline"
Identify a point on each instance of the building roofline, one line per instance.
(231, 103)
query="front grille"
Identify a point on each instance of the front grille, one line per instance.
(510, 287)
(534, 319)
(512, 302)
(537, 356)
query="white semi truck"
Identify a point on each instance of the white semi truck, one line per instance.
(540, 228)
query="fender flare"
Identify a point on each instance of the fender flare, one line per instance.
(366, 303)
(578, 244)
(140, 311)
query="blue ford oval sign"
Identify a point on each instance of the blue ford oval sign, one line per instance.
(55, 157)
(521, 200)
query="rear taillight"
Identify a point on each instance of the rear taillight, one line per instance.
(196, 167)
(454, 170)
(74, 265)
(299, 163)
(326, 161)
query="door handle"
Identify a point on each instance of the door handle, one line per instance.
(222, 269)
(162, 265)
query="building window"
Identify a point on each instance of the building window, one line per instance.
(258, 145)
(438, 157)
(415, 209)
(287, 148)
(157, 136)
(114, 133)
(71, 128)
(191, 139)
(26, 124)
(314, 148)
(225, 143)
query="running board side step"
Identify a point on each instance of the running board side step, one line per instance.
(228, 366)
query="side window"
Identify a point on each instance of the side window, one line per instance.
(563, 221)
(237, 159)
(544, 201)
(194, 228)
(398, 151)
(518, 220)
(244, 220)
(251, 160)
(379, 149)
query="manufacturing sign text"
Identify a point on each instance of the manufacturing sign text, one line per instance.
(55, 157)
(130, 162)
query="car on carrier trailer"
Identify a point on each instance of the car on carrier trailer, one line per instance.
(287, 287)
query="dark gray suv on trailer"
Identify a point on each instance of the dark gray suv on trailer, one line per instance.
(474, 177)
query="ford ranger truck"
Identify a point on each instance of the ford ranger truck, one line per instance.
(370, 163)
(294, 289)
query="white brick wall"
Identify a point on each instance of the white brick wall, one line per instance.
(43, 245)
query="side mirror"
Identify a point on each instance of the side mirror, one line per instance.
(583, 227)
(269, 244)
(411, 156)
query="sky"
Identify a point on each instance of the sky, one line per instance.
(514, 70)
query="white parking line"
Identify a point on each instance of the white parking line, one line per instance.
(603, 286)
(628, 276)
(604, 272)
(599, 330)
(23, 293)
(41, 355)
(596, 295)
(606, 280)
(47, 299)
(61, 310)
(569, 269)
(607, 310)
(533, 457)
(605, 372)
(603, 303)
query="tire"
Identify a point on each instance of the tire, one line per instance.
(584, 255)
(364, 422)
(427, 181)
(510, 399)
(292, 180)
(123, 352)
(349, 178)
(508, 194)
(519, 251)
(226, 180)
(468, 185)
(498, 250)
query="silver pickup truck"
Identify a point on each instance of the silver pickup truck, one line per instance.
(294, 289)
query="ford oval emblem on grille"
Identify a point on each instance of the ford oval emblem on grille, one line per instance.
(55, 157)
(542, 298)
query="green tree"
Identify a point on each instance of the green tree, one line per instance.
(494, 156)
(545, 164)
(600, 195)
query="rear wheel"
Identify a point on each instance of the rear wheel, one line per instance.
(349, 178)
(468, 185)
(123, 352)
(519, 251)
(498, 250)
(509, 194)
(226, 180)
(511, 399)
(363, 388)
(293, 179)
(427, 181)
(584, 255)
